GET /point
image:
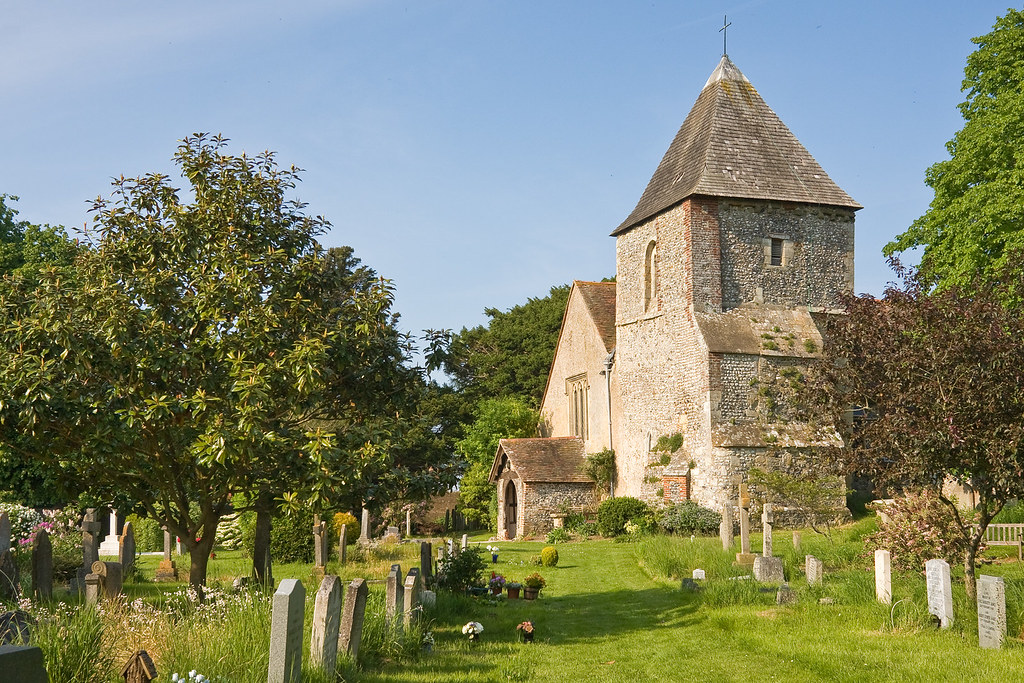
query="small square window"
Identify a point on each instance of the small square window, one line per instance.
(776, 256)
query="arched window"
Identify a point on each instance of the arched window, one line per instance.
(651, 276)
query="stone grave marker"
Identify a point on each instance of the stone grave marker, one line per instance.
(428, 599)
(111, 576)
(451, 547)
(785, 595)
(323, 642)
(814, 568)
(393, 533)
(16, 627)
(744, 556)
(767, 518)
(5, 532)
(110, 544)
(90, 544)
(42, 566)
(166, 571)
(411, 597)
(725, 528)
(426, 560)
(286, 632)
(940, 591)
(139, 668)
(699, 575)
(23, 664)
(352, 618)
(343, 544)
(883, 576)
(364, 530)
(991, 611)
(465, 542)
(93, 588)
(394, 600)
(9, 588)
(408, 523)
(320, 544)
(796, 540)
(126, 548)
(768, 569)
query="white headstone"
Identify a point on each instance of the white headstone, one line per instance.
(408, 523)
(110, 545)
(767, 518)
(465, 541)
(883, 576)
(991, 611)
(814, 569)
(411, 596)
(940, 591)
(323, 642)
(699, 575)
(364, 529)
(725, 528)
(286, 632)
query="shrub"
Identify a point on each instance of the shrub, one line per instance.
(23, 520)
(921, 527)
(535, 580)
(559, 535)
(549, 556)
(149, 537)
(1012, 513)
(688, 517)
(614, 513)
(229, 532)
(291, 537)
(351, 531)
(461, 570)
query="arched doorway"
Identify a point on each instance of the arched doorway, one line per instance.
(511, 508)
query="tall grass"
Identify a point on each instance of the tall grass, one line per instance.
(71, 639)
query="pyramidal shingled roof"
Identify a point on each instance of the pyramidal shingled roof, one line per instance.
(733, 145)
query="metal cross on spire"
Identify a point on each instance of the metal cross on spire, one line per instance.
(725, 34)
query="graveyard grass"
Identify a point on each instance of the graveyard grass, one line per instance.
(612, 612)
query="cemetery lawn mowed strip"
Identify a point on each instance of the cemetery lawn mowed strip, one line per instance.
(601, 618)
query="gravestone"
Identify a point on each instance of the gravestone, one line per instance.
(16, 627)
(767, 518)
(364, 529)
(166, 571)
(785, 595)
(323, 641)
(814, 568)
(883, 576)
(699, 575)
(394, 593)
(465, 542)
(725, 528)
(42, 566)
(352, 618)
(343, 544)
(110, 544)
(93, 588)
(126, 548)
(428, 599)
(426, 560)
(9, 588)
(139, 668)
(744, 557)
(408, 523)
(90, 544)
(991, 611)
(23, 664)
(286, 632)
(411, 597)
(796, 541)
(320, 545)
(393, 533)
(111, 577)
(768, 569)
(5, 532)
(940, 591)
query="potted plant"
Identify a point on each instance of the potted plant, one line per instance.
(533, 583)
(473, 629)
(497, 583)
(513, 588)
(525, 631)
(494, 553)
(428, 641)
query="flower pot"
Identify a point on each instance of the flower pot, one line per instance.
(526, 636)
(530, 593)
(513, 593)
(474, 637)
(494, 558)
(495, 590)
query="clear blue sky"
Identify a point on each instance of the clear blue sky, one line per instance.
(475, 152)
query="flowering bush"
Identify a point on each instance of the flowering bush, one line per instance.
(535, 581)
(920, 527)
(23, 522)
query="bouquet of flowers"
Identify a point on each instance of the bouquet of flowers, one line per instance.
(494, 553)
(525, 630)
(473, 629)
(497, 581)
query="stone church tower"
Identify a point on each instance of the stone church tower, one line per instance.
(736, 249)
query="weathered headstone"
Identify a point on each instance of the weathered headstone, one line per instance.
(465, 542)
(883, 576)
(320, 544)
(725, 528)
(814, 568)
(364, 529)
(744, 556)
(5, 532)
(408, 523)
(699, 575)
(90, 544)
(426, 560)
(393, 533)
(112, 577)
(796, 541)
(767, 518)
(126, 548)
(139, 668)
(411, 597)
(343, 544)
(428, 599)
(286, 632)
(9, 588)
(352, 618)
(785, 595)
(940, 591)
(42, 566)
(768, 569)
(991, 611)
(166, 571)
(93, 588)
(323, 642)
(394, 595)
(23, 664)
(110, 544)
(15, 628)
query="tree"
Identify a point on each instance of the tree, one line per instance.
(198, 349)
(937, 385)
(975, 224)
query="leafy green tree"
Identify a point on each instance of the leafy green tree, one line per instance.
(975, 224)
(200, 349)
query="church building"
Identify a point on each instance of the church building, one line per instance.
(736, 252)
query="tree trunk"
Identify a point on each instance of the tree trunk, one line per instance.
(261, 551)
(199, 556)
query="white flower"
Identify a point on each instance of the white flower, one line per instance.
(174, 678)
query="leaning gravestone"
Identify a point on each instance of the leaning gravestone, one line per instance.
(426, 560)
(394, 599)
(768, 569)
(126, 548)
(883, 576)
(814, 569)
(5, 532)
(411, 597)
(352, 618)
(111, 578)
(139, 668)
(286, 633)
(23, 664)
(940, 591)
(9, 588)
(42, 566)
(323, 642)
(991, 611)
(725, 528)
